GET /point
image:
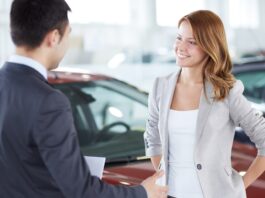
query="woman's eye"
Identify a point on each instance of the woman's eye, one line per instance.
(178, 38)
(192, 42)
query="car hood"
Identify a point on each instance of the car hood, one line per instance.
(132, 173)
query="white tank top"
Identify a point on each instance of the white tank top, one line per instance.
(183, 181)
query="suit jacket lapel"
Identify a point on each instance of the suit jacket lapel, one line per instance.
(168, 92)
(204, 109)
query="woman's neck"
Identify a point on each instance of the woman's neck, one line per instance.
(190, 76)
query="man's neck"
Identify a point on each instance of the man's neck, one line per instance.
(34, 54)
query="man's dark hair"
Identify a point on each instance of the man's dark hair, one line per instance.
(31, 20)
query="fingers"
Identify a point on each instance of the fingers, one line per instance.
(163, 195)
(162, 192)
(158, 174)
(163, 189)
(153, 190)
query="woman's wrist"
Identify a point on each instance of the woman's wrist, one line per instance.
(246, 182)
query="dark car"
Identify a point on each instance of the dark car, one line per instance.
(110, 119)
(252, 74)
(109, 114)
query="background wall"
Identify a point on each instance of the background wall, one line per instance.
(111, 35)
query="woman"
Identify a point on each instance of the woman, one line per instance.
(193, 114)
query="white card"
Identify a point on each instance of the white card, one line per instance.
(95, 165)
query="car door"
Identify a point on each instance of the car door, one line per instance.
(109, 117)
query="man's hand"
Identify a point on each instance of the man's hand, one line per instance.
(153, 190)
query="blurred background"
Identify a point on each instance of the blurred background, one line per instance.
(133, 39)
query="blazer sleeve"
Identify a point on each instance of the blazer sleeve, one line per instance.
(250, 119)
(151, 135)
(56, 138)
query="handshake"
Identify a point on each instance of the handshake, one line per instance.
(153, 190)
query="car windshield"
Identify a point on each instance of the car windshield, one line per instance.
(109, 116)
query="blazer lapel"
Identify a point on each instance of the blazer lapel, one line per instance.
(167, 94)
(204, 109)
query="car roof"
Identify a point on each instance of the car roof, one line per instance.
(248, 66)
(69, 75)
(249, 60)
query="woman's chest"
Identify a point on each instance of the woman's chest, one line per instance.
(186, 97)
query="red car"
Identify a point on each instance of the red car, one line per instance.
(110, 119)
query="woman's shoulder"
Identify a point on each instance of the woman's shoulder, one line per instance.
(238, 87)
(236, 90)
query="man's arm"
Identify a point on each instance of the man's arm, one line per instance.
(56, 137)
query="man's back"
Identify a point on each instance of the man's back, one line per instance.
(39, 151)
(22, 170)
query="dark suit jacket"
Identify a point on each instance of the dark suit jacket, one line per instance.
(39, 151)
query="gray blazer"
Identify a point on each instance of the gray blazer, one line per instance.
(215, 130)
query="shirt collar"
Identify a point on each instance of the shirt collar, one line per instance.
(29, 62)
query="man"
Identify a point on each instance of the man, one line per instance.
(39, 152)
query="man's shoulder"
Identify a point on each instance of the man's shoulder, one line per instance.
(27, 82)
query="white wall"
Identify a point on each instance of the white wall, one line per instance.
(6, 45)
(96, 44)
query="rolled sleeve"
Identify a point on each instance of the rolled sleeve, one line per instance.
(250, 119)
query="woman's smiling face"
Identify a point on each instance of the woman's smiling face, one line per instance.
(188, 53)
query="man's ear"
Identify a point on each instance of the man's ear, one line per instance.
(52, 38)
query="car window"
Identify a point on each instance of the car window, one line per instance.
(109, 117)
(115, 105)
(254, 83)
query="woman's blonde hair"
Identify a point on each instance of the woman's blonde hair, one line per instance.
(209, 34)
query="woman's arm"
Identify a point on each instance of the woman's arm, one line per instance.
(153, 146)
(155, 161)
(254, 171)
(253, 124)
